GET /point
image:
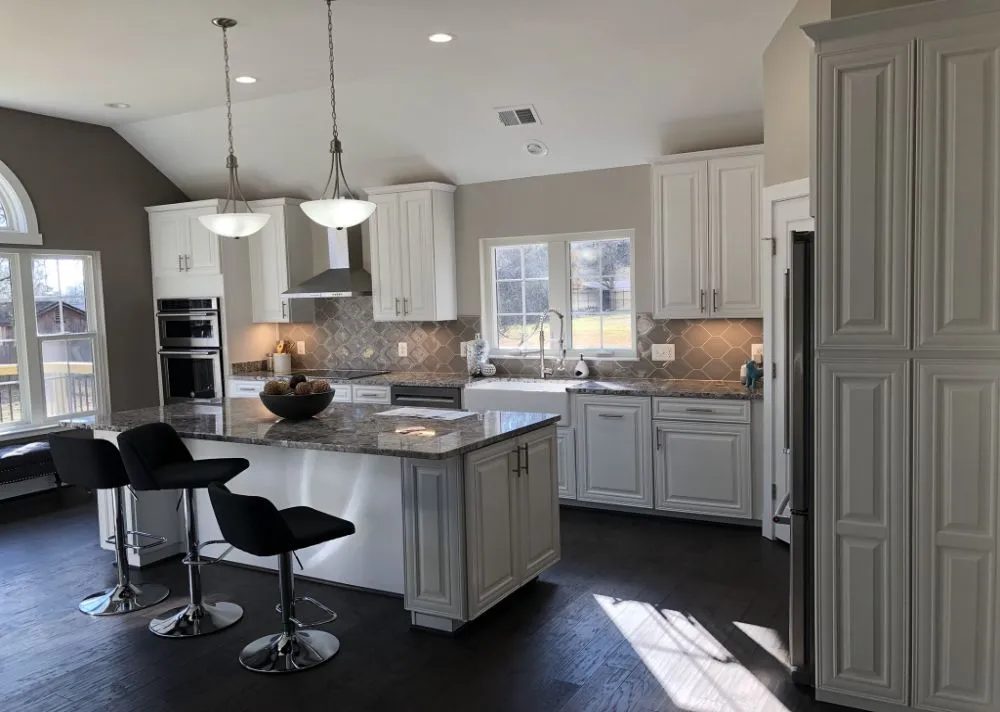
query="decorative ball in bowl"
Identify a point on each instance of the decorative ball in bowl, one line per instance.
(307, 399)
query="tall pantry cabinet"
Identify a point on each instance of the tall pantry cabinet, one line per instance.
(907, 181)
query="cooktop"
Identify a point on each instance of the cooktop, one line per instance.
(344, 373)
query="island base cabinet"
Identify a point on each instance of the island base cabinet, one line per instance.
(512, 516)
(703, 468)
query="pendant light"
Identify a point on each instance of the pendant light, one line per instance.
(226, 223)
(342, 209)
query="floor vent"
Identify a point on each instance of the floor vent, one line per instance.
(518, 116)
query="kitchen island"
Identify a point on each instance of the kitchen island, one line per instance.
(454, 515)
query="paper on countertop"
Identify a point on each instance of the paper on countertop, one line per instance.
(429, 413)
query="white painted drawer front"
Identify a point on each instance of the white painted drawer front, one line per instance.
(341, 393)
(702, 409)
(244, 389)
(371, 394)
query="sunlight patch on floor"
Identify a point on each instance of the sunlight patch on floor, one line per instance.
(768, 639)
(693, 667)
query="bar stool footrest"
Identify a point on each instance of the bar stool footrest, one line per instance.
(331, 614)
(200, 560)
(132, 545)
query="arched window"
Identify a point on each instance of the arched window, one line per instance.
(18, 224)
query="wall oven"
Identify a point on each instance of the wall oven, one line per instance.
(190, 349)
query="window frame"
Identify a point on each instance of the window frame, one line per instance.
(30, 343)
(560, 296)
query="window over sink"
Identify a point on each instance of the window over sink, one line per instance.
(588, 277)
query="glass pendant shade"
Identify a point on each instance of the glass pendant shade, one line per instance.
(234, 224)
(338, 212)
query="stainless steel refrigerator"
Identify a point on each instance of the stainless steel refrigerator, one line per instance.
(799, 422)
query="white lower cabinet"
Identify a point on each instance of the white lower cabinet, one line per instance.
(512, 516)
(566, 447)
(703, 468)
(614, 452)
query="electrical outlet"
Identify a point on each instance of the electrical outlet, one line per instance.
(463, 348)
(300, 347)
(664, 352)
(757, 352)
(403, 350)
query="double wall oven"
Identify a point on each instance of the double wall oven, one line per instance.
(190, 348)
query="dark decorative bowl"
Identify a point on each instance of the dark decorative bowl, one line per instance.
(292, 407)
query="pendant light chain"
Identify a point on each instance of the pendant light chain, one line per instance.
(234, 191)
(229, 92)
(336, 175)
(333, 85)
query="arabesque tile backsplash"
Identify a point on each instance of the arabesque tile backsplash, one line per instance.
(345, 335)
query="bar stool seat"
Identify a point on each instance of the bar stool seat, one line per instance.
(96, 465)
(156, 459)
(254, 525)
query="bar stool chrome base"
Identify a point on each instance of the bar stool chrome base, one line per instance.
(122, 599)
(282, 653)
(196, 619)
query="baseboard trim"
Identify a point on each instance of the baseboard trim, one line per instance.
(861, 703)
(621, 509)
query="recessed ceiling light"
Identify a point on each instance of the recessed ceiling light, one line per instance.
(536, 148)
(440, 37)
(245, 79)
(118, 105)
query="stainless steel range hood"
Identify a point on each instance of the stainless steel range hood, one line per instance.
(346, 277)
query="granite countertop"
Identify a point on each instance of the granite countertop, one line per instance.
(340, 428)
(676, 388)
(733, 390)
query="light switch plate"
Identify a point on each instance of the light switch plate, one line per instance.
(402, 349)
(757, 352)
(463, 348)
(300, 347)
(664, 352)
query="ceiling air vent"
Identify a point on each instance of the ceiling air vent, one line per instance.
(518, 116)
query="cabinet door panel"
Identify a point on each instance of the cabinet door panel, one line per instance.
(202, 245)
(862, 497)
(269, 269)
(734, 236)
(703, 468)
(417, 255)
(385, 248)
(864, 200)
(166, 237)
(680, 238)
(614, 458)
(491, 497)
(958, 414)
(958, 234)
(566, 443)
(539, 508)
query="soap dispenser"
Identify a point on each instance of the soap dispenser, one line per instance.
(581, 370)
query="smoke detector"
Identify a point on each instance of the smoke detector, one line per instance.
(536, 148)
(525, 115)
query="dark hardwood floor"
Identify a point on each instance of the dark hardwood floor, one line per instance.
(642, 614)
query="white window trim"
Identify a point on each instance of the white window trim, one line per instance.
(29, 343)
(22, 223)
(559, 299)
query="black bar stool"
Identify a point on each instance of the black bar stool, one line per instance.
(96, 465)
(157, 459)
(256, 526)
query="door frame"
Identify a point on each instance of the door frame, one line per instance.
(797, 191)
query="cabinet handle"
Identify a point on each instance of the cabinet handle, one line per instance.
(406, 306)
(180, 266)
(525, 458)
(700, 410)
(701, 300)
(284, 309)
(517, 470)
(616, 416)
(659, 443)
(715, 300)
(397, 306)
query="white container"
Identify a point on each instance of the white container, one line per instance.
(582, 370)
(282, 363)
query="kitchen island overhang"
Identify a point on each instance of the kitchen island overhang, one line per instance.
(454, 515)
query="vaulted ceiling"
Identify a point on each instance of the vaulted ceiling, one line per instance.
(615, 82)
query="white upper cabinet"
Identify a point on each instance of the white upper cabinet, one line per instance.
(413, 252)
(179, 244)
(280, 257)
(706, 234)
(958, 223)
(864, 200)
(957, 470)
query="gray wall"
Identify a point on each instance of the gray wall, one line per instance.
(617, 198)
(89, 188)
